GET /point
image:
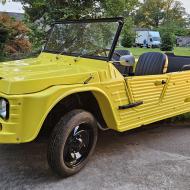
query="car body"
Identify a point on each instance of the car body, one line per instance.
(34, 86)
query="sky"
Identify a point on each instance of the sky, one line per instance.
(186, 4)
(17, 7)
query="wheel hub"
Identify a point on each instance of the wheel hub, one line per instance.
(77, 146)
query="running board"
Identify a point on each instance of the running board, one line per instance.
(130, 105)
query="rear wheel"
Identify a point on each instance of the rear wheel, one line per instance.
(72, 142)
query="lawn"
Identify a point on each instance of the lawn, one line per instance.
(178, 51)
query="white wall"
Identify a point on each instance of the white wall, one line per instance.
(11, 6)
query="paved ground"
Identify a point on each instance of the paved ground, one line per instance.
(153, 158)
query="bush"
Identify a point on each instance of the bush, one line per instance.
(13, 36)
(168, 41)
(3, 38)
(128, 35)
(128, 39)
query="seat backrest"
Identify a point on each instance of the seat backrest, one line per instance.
(151, 63)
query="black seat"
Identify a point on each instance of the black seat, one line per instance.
(178, 63)
(152, 63)
(116, 57)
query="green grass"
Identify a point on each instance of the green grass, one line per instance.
(178, 51)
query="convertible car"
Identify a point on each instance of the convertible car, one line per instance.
(82, 82)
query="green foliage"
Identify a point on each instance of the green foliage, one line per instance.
(36, 34)
(155, 13)
(150, 13)
(174, 12)
(128, 36)
(4, 33)
(125, 8)
(119, 8)
(168, 40)
(40, 14)
(128, 39)
(51, 10)
(3, 1)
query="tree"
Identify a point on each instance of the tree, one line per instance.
(13, 35)
(128, 35)
(3, 1)
(125, 8)
(3, 38)
(40, 14)
(155, 13)
(51, 10)
(119, 8)
(150, 13)
(174, 12)
(168, 38)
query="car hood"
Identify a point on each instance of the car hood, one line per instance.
(36, 74)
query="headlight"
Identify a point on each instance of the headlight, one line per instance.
(4, 108)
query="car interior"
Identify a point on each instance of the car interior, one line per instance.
(152, 63)
(178, 63)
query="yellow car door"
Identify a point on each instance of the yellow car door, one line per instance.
(177, 95)
(145, 97)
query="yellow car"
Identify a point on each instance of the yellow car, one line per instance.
(81, 82)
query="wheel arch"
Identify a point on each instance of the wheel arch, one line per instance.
(98, 99)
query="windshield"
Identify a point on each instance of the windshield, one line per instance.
(156, 39)
(88, 39)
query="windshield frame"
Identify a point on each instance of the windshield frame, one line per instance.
(120, 21)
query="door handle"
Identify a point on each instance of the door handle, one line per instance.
(132, 105)
(162, 82)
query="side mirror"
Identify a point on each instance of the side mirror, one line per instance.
(127, 60)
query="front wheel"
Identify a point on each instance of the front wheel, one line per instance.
(72, 142)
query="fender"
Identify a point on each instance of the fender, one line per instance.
(57, 93)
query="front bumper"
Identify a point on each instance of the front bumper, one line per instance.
(26, 116)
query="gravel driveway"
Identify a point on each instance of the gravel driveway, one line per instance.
(151, 158)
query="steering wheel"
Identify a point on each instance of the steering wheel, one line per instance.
(102, 50)
(117, 54)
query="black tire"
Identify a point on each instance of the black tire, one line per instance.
(63, 144)
(148, 46)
